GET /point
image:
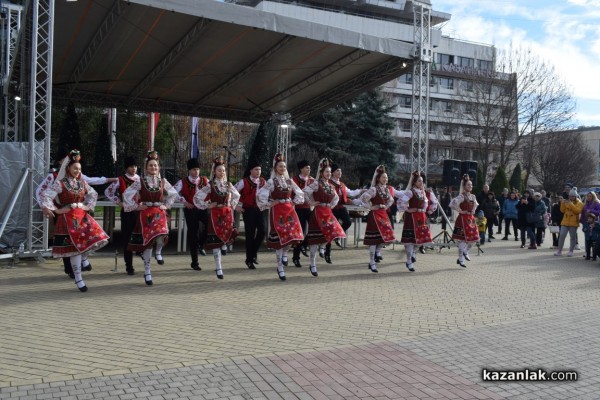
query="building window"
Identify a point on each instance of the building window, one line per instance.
(405, 101)
(468, 85)
(405, 125)
(466, 61)
(447, 83)
(443, 59)
(468, 108)
(406, 78)
(445, 105)
(485, 65)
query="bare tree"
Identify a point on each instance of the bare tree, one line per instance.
(560, 157)
(521, 98)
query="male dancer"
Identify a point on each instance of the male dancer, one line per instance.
(254, 224)
(186, 187)
(115, 194)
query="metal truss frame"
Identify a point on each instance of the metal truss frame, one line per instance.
(11, 28)
(422, 55)
(39, 113)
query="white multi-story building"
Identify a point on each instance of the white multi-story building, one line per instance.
(457, 68)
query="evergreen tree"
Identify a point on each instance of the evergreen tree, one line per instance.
(69, 136)
(499, 182)
(104, 164)
(516, 181)
(258, 150)
(480, 182)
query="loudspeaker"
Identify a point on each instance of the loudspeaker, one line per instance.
(469, 167)
(451, 174)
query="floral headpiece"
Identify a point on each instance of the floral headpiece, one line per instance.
(278, 157)
(152, 155)
(324, 163)
(220, 160)
(74, 155)
(463, 182)
(380, 170)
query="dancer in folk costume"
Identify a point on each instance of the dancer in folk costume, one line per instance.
(115, 194)
(323, 226)
(220, 198)
(279, 195)
(379, 230)
(148, 197)
(47, 184)
(254, 224)
(76, 232)
(195, 219)
(339, 211)
(302, 209)
(414, 203)
(465, 228)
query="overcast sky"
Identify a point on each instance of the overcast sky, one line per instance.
(564, 32)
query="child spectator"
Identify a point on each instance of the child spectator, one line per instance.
(590, 238)
(481, 222)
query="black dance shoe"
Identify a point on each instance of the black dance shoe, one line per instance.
(461, 264)
(281, 275)
(413, 259)
(466, 256)
(250, 265)
(87, 267)
(328, 258)
(313, 271)
(81, 289)
(130, 271)
(372, 267)
(410, 267)
(304, 251)
(284, 261)
(296, 262)
(220, 276)
(159, 259)
(148, 281)
(196, 266)
(422, 249)
(378, 259)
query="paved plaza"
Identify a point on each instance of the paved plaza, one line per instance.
(346, 334)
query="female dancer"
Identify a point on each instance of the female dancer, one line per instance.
(379, 230)
(323, 226)
(414, 202)
(220, 197)
(276, 195)
(75, 232)
(147, 196)
(465, 228)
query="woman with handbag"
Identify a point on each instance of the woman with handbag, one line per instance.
(526, 219)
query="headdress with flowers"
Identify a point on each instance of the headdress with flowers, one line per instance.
(277, 159)
(220, 160)
(324, 163)
(413, 178)
(463, 182)
(72, 157)
(380, 170)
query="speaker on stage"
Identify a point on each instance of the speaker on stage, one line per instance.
(451, 173)
(469, 167)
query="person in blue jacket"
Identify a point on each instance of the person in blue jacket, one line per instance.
(510, 215)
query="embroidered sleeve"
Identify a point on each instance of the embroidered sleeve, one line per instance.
(240, 185)
(263, 196)
(49, 194)
(455, 203)
(235, 196)
(403, 198)
(391, 199)
(178, 186)
(335, 200)
(202, 198)
(111, 192)
(171, 193)
(366, 197)
(93, 180)
(353, 193)
(39, 192)
(91, 196)
(298, 194)
(130, 196)
(308, 192)
(433, 202)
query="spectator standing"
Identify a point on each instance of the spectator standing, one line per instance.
(490, 209)
(509, 210)
(571, 208)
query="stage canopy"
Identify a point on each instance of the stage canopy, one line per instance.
(212, 59)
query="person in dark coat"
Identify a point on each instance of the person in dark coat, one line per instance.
(490, 208)
(526, 205)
